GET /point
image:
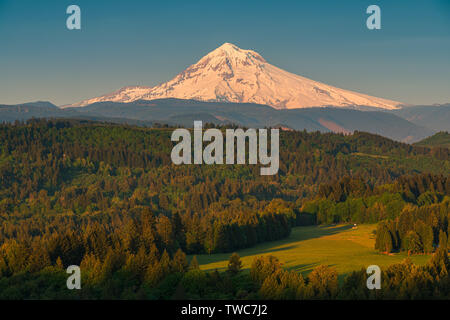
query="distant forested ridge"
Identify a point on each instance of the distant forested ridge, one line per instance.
(440, 139)
(108, 198)
(408, 124)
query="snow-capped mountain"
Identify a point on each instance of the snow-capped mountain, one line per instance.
(231, 74)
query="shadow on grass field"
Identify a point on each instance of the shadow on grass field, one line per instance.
(340, 246)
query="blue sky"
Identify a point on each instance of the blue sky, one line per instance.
(148, 42)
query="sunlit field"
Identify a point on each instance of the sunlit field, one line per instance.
(341, 246)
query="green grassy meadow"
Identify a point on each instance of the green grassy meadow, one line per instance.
(340, 246)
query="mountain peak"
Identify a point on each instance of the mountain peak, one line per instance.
(229, 47)
(235, 54)
(231, 74)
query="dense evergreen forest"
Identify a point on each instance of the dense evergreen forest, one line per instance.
(108, 198)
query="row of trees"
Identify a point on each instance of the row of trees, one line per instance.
(167, 277)
(415, 230)
(69, 240)
(399, 281)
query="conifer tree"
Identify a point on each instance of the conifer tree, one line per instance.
(194, 264)
(179, 262)
(443, 240)
(234, 264)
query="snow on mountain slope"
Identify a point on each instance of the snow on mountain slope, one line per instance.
(231, 74)
(125, 94)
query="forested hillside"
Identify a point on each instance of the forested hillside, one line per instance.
(440, 139)
(108, 198)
